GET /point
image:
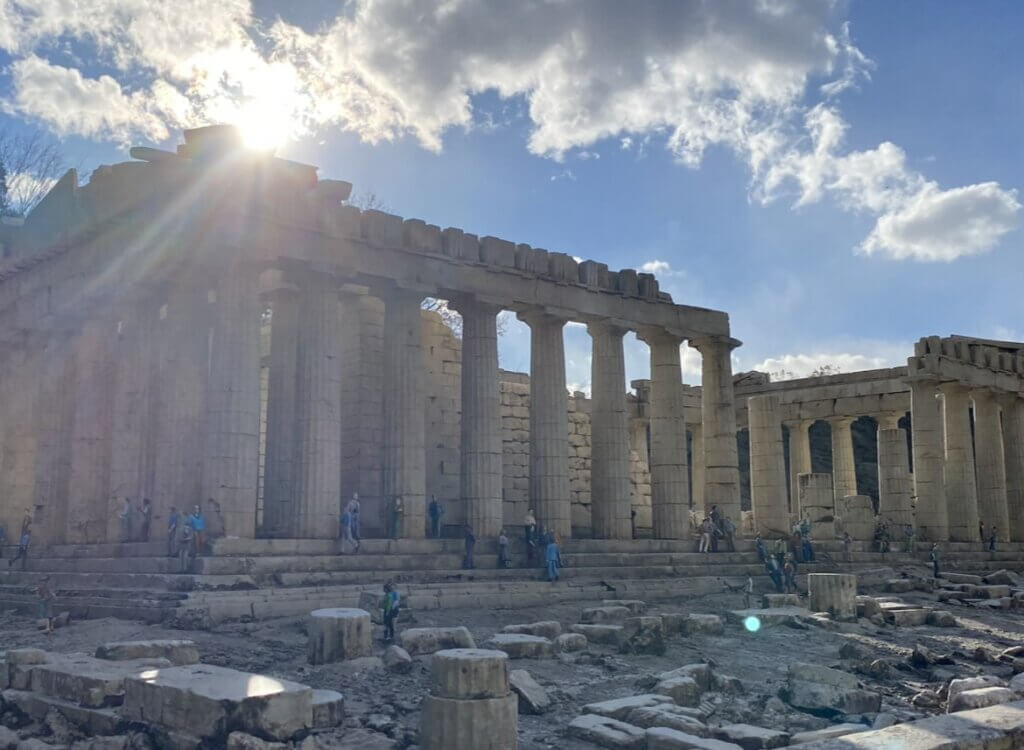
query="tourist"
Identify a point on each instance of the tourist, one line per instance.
(554, 558)
(529, 536)
(45, 597)
(762, 550)
(847, 545)
(395, 522)
(992, 539)
(345, 531)
(808, 547)
(146, 514)
(884, 538)
(789, 575)
(125, 517)
(934, 557)
(389, 605)
(353, 509)
(796, 544)
(504, 561)
(748, 592)
(215, 527)
(172, 531)
(716, 527)
(186, 547)
(705, 536)
(729, 530)
(911, 539)
(198, 525)
(470, 541)
(435, 511)
(805, 525)
(632, 522)
(981, 532)
(780, 551)
(24, 541)
(772, 567)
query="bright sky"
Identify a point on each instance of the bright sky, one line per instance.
(842, 178)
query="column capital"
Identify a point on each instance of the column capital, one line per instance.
(888, 420)
(840, 421)
(658, 336)
(1008, 400)
(982, 394)
(535, 316)
(700, 343)
(606, 327)
(952, 386)
(470, 304)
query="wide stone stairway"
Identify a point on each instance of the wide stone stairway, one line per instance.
(261, 578)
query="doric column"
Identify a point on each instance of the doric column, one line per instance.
(1013, 452)
(53, 427)
(405, 476)
(894, 485)
(958, 476)
(799, 459)
(670, 495)
(718, 412)
(989, 464)
(17, 477)
(926, 431)
(481, 474)
(549, 423)
(279, 462)
(844, 471)
(697, 480)
(231, 456)
(767, 466)
(317, 467)
(609, 430)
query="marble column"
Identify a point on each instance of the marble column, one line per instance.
(799, 460)
(697, 480)
(894, 484)
(17, 459)
(609, 430)
(958, 474)
(481, 472)
(232, 445)
(931, 520)
(53, 429)
(279, 474)
(549, 423)
(92, 423)
(405, 474)
(767, 466)
(844, 472)
(721, 459)
(1013, 452)
(989, 464)
(670, 495)
(317, 462)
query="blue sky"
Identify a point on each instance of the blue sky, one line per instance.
(840, 177)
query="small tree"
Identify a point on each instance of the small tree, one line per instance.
(30, 164)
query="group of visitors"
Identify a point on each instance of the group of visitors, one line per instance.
(542, 544)
(189, 534)
(782, 563)
(130, 531)
(716, 526)
(988, 542)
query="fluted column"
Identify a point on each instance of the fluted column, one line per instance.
(670, 492)
(1013, 452)
(799, 460)
(958, 475)
(609, 435)
(697, 480)
(767, 466)
(989, 464)
(317, 467)
(17, 478)
(931, 520)
(404, 415)
(844, 471)
(894, 485)
(481, 475)
(279, 472)
(721, 459)
(53, 428)
(549, 423)
(231, 456)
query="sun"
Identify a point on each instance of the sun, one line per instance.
(263, 128)
(268, 117)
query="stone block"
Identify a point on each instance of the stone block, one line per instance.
(397, 659)
(941, 619)
(770, 601)
(980, 698)
(1004, 577)
(533, 699)
(672, 622)
(207, 701)
(338, 634)
(867, 606)
(835, 593)
(243, 741)
(642, 635)
(619, 708)
(607, 732)
(828, 733)
(419, 641)
(828, 691)
(26, 656)
(91, 721)
(663, 738)
(497, 252)
(469, 674)
(683, 690)
(547, 629)
(90, 682)
(569, 642)
(701, 673)
(909, 617)
(521, 646)
(177, 652)
(899, 585)
(328, 708)
(972, 683)
(669, 715)
(750, 737)
(489, 724)
(635, 606)
(703, 624)
(962, 578)
(606, 634)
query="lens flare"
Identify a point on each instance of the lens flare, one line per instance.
(752, 624)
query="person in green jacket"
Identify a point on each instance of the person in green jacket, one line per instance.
(934, 557)
(389, 606)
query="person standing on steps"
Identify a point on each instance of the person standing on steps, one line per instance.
(632, 522)
(353, 509)
(553, 556)
(198, 525)
(24, 541)
(470, 541)
(45, 597)
(345, 531)
(729, 530)
(125, 517)
(530, 537)
(172, 531)
(748, 592)
(504, 561)
(992, 539)
(396, 517)
(762, 550)
(934, 557)
(716, 527)
(186, 548)
(847, 545)
(981, 532)
(435, 511)
(780, 552)
(146, 514)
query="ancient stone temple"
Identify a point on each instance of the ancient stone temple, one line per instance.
(219, 325)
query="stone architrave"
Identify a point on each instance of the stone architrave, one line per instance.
(670, 496)
(481, 474)
(232, 446)
(279, 462)
(549, 423)
(844, 471)
(721, 454)
(990, 464)
(317, 464)
(405, 473)
(931, 521)
(1013, 452)
(958, 477)
(609, 466)
(799, 460)
(767, 466)
(894, 484)
(817, 503)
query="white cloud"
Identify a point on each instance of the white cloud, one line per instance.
(656, 266)
(802, 365)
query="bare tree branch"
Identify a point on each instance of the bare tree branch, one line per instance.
(32, 163)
